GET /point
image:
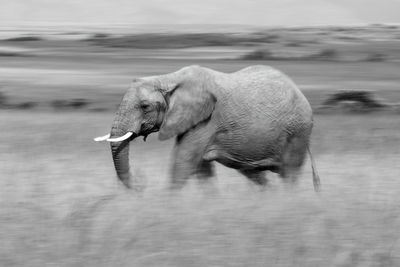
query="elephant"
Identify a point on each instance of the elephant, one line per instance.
(253, 120)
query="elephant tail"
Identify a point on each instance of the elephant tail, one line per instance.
(316, 180)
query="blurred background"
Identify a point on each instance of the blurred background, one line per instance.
(64, 67)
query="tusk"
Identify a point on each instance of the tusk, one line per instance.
(122, 138)
(102, 138)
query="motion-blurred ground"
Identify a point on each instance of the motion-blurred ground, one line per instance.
(61, 204)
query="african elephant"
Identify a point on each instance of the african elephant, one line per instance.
(252, 120)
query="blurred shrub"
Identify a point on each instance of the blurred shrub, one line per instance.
(376, 57)
(396, 107)
(24, 39)
(12, 54)
(59, 104)
(100, 35)
(99, 109)
(351, 106)
(353, 101)
(325, 54)
(349, 38)
(294, 44)
(151, 41)
(25, 105)
(264, 38)
(340, 29)
(264, 54)
(77, 103)
(362, 96)
(261, 54)
(5, 103)
(3, 99)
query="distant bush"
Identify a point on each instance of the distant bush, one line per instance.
(59, 104)
(346, 37)
(99, 109)
(340, 29)
(12, 54)
(353, 101)
(264, 54)
(154, 41)
(258, 55)
(24, 39)
(376, 57)
(362, 96)
(77, 103)
(5, 103)
(396, 107)
(25, 105)
(3, 99)
(351, 106)
(325, 54)
(264, 38)
(294, 44)
(100, 35)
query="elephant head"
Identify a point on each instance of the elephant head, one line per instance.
(168, 104)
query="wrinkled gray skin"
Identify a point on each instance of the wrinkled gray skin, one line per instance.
(252, 120)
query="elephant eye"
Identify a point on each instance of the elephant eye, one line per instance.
(145, 106)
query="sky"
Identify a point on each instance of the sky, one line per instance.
(236, 12)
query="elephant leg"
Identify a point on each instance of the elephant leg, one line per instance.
(204, 174)
(180, 171)
(188, 153)
(257, 177)
(205, 170)
(293, 158)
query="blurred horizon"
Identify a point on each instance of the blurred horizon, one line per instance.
(120, 29)
(273, 13)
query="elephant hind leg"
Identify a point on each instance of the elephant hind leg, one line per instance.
(205, 170)
(293, 158)
(204, 174)
(257, 177)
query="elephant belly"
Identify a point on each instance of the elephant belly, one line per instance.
(241, 163)
(251, 151)
(260, 165)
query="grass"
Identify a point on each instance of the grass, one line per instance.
(63, 206)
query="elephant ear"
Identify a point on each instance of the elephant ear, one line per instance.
(188, 105)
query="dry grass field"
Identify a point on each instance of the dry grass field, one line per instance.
(61, 204)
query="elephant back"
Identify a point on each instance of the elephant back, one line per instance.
(260, 102)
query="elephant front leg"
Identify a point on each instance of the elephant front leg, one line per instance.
(188, 159)
(181, 170)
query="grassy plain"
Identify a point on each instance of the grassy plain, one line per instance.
(61, 204)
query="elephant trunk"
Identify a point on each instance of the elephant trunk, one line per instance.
(120, 150)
